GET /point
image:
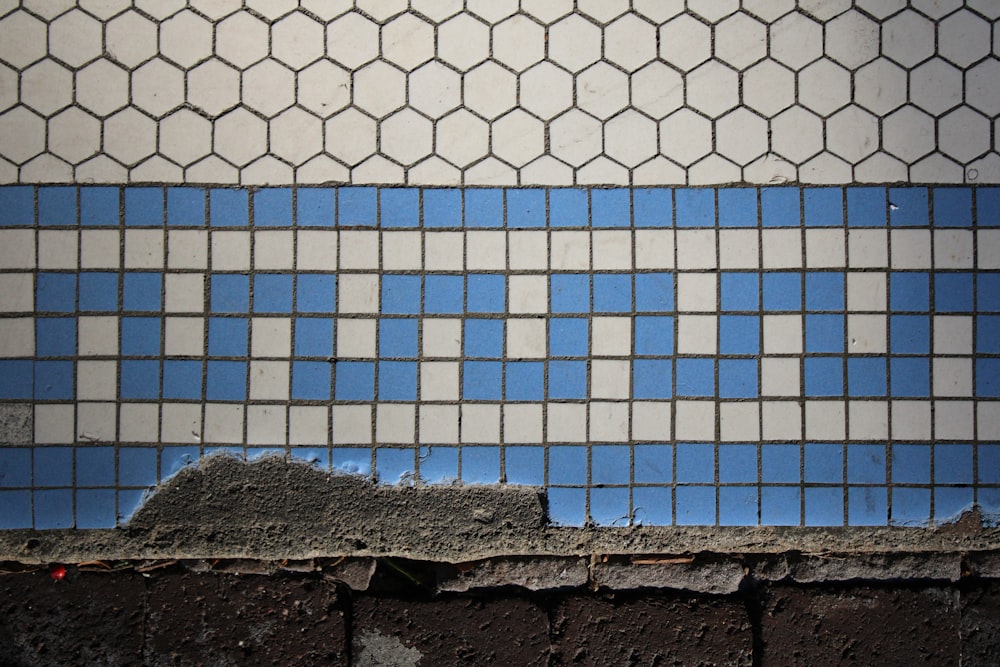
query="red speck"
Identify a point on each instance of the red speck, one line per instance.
(57, 572)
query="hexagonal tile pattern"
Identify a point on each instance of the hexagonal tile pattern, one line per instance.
(297, 40)
(740, 40)
(768, 87)
(408, 41)
(518, 42)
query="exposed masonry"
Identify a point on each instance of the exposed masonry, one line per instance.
(499, 92)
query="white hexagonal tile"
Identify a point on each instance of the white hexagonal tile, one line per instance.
(435, 89)
(461, 138)
(601, 171)
(852, 133)
(908, 38)
(102, 87)
(377, 169)
(713, 10)
(352, 40)
(75, 38)
(434, 171)
(381, 10)
(268, 87)
(212, 169)
(322, 169)
(881, 9)
(105, 9)
(130, 39)
(74, 135)
(630, 138)
(712, 170)
(602, 10)
(770, 169)
(659, 171)
(546, 170)
(825, 169)
(463, 42)
(547, 11)
(658, 11)
(101, 169)
(908, 134)
(657, 90)
(987, 8)
(937, 168)
(546, 90)
(936, 86)
(216, 9)
(186, 38)
(824, 87)
(129, 136)
(240, 137)
(46, 168)
(852, 39)
(741, 136)
(985, 170)
(880, 86)
(241, 39)
(963, 38)
(574, 43)
(796, 40)
(685, 137)
(630, 42)
(602, 90)
(936, 8)
(713, 89)
(46, 87)
(159, 9)
(266, 171)
(324, 88)
(518, 42)
(271, 9)
(24, 39)
(981, 89)
(518, 138)
(490, 90)
(575, 137)
(350, 136)
(406, 137)
(685, 42)
(23, 133)
(296, 135)
(768, 10)
(740, 40)
(185, 137)
(213, 87)
(824, 10)
(408, 41)
(157, 87)
(297, 40)
(437, 10)
(768, 87)
(964, 134)
(8, 87)
(493, 11)
(490, 172)
(796, 134)
(47, 9)
(880, 168)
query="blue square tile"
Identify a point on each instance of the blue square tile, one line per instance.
(397, 338)
(438, 465)
(908, 207)
(272, 293)
(567, 506)
(56, 293)
(695, 463)
(316, 293)
(228, 207)
(525, 381)
(654, 335)
(315, 207)
(95, 466)
(316, 457)
(609, 506)
(651, 378)
(56, 337)
(780, 464)
(654, 464)
(612, 293)
(53, 509)
(17, 203)
(651, 506)
(129, 502)
(824, 291)
(695, 207)
(524, 465)
(142, 292)
(987, 334)
(481, 380)
(910, 507)
(400, 294)
(740, 291)
(182, 379)
(779, 207)
(567, 465)
(570, 293)
(95, 508)
(988, 207)
(397, 381)
(486, 293)
(484, 207)
(352, 460)
(866, 464)
(525, 208)
(569, 337)
(399, 207)
(988, 469)
(442, 208)
(654, 292)
(484, 338)
(610, 207)
(738, 207)
(567, 379)
(144, 206)
(357, 206)
(909, 292)
(17, 505)
(737, 464)
(953, 292)
(186, 206)
(610, 464)
(53, 380)
(988, 292)
(911, 464)
(824, 333)
(140, 379)
(952, 207)
(782, 291)
(823, 207)
(738, 378)
(953, 464)
(867, 506)
(909, 334)
(739, 334)
(866, 376)
(866, 207)
(226, 381)
(57, 205)
(227, 337)
(98, 292)
(824, 506)
(444, 294)
(824, 463)
(910, 377)
(99, 206)
(137, 466)
(140, 336)
(480, 465)
(53, 466)
(354, 381)
(987, 378)
(311, 380)
(394, 466)
(989, 505)
(652, 207)
(780, 506)
(695, 377)
(16, 378)
(738, 506)
(175, 459)
(695, 505)
(824, 376)
(951, 503)
(568, 208)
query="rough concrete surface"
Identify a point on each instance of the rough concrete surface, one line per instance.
(981, 625)
(870, 567)
(16, 424)
(701, 575)
(533, 574)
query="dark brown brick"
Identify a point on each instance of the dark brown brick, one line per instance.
(981, 625)
(661, 629)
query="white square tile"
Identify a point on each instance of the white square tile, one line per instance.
(781, 420)
(17, 248)
(273, 250)
(952, 334)
(402, 251)
(17, 337)
(308, 425)
(522, 423)
(987, 420)
(911, 248)
(694, 420)
(866, 291)
(269, 380)
(528, 294)
(570, 251)
(352, 424)
(866, 334)
(316, 250)
(867, 248)
(696, 249)
(355, 339)
(97, 335)
(528, 251)
(485, 251)
(100, 249)
(988, 248)
(144, 249)
(185, 292)
(96, 422)
(139, 422)
(608, 422)
(230, 251)
(55, 424)
(359, 250)
(567, 422)
(782, 334)
(739, 422)
(444, 251)
(697, 292)
(358, 293)
(651, 421)
(654, 249)
(441, 337)
(826, 420)
(953, 249)
(610, 378)
(266, 424)
(439, 380)
(697, 334)
(180, 423)
(96, 380)
(911, 420)
(612, 250)
(187, 249)
(480, 423)
(952, 377)
(780, 377)
(739, 249)
(611, 336)
(954, 420)
(17, 293)
(825, 248)
(184, 336)
(869, 420)
(782, 248)
(438, 424)
(271, 337)
(58, 250)
(526, 338)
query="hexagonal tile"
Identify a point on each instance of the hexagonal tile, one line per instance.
(490, 90)
(880, 168)
(380, 10)
(105, 9)
(296, 135)
(24, 39)
(241, 39)
(770, 169)
(518, 138)
(546, 90)
(964, 134)
(685, 42)
(157, 87)
(602, 90)
(936, 86)
(129, 136)
(46, 168)
(685, 137)
(47, 9)
(435, 89)
(852, 134)
(185, 137)
(130, 39)
(630, 42)
(768, 87)
(434, 171)
(630, 138)
(713, 10)
(24, 134)
(215, 9)
(461, 138)
(908, 38)
(46, 87)
(657, 90)
(740, 40)
(437, 10)
(987, 8)
(377, 169)
(463, 42)
(575, 137)
(408, 41)
(379, 88)
(659, 171)
(102, 87)
(796, 134)
(547, 11)
(322, 169)
(963, 38)
(713, 169)
(518, 42)
(852, 39)
(271, 9)
(75, 38)
(936, 8)
(297, 40)
(406, 137)
(981, 90)
(350, 136)
(268, 87)
(186, 38)
(574, 43)
(880, 86)
(908, 133)
(824, 10)
(546, 170)
(159, 9)
(324, 88)
(213, 87)
(824, 87)
(741, 136)
(493, 11)
(881, 9)
(352, 40)
(825, 168)
(240, 137)
(8, 87)
(713, 89)
(601, 171)
(796, 40)
(937, 168)
(658, 11)
(602, 10)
